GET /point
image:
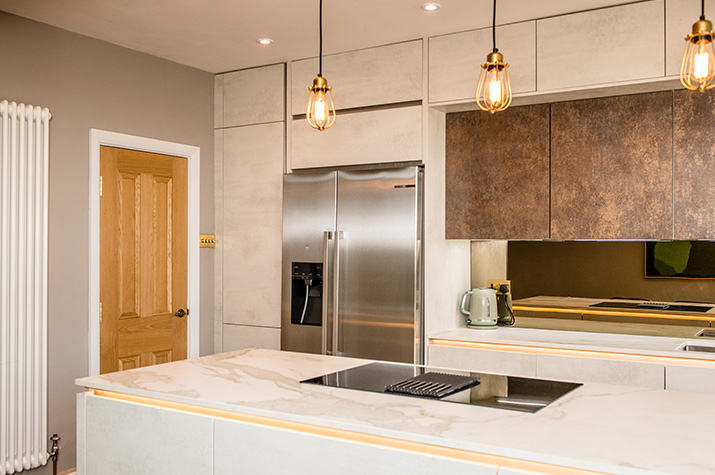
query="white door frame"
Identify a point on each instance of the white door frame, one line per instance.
(97, 138)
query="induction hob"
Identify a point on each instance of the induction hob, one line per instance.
(493, 390)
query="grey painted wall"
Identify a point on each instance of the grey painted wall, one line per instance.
(86, 84)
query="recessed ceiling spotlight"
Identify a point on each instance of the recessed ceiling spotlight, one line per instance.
(264, 41)
(430, 7)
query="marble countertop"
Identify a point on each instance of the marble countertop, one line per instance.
(582, 340)
(606, 428)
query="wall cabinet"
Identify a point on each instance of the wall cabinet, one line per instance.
(455, 60)
(694, 168)
(611, 168)
(601, 46)
(359, 138)
(252, 96)
(383, 75)
(497, 174)
(628, 167)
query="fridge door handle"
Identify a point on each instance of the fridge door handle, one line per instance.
(339, 235)
(327, 291)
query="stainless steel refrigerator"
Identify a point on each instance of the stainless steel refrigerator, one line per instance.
(352, 267)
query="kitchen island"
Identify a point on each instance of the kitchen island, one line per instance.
(247, 412)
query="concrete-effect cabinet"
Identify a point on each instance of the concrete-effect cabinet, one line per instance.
(383, 75)
(487, 361)
(118, 437)
(123, 437)
(608, 45)
(455, 60)
(359, 138)
(249, 163)
(558, 367)
(278, 451)
(690, 378)
(253, 96)
(594, 370)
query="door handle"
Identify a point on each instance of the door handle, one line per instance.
(336, 293)
(327, 290)
(181, 313)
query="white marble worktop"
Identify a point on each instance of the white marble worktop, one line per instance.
(581, 340)
(606, 428)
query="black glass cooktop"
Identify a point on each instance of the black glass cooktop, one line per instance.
(493, 390)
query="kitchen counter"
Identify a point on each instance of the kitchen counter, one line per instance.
(591, 341)
(597, 427)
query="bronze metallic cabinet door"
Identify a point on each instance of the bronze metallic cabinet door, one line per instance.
(497, 174)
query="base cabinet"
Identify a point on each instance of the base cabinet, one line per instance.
(486, 361)
(277, 451)
(124, 438)
(119, 437)
(629, 373)
(688, 378)
(565, 368)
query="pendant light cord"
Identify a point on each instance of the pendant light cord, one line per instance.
(320, 70)
(702, 9)
(494, 26)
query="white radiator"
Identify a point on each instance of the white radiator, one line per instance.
(23, 294)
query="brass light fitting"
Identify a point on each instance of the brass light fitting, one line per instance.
(697, 72)
(494, 87)
(321, 110)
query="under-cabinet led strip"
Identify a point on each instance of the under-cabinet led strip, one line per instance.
(596, 354)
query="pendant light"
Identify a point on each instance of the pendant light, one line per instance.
(494, 89)
(321, 110)
(698, 69)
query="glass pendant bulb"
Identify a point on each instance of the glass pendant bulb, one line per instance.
(321, 110)
(697, 72)
(494, 88)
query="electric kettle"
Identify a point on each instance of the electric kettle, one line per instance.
(482, 311)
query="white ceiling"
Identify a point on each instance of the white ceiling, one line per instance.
(220, 35)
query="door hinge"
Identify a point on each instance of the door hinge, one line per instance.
(100, 187)
(100, 312)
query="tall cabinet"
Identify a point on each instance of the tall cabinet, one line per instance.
(250, 137)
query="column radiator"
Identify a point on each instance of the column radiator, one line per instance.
(23, 295)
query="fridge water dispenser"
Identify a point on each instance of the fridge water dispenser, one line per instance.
(306, 307)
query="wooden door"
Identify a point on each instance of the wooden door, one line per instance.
(143, 258)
